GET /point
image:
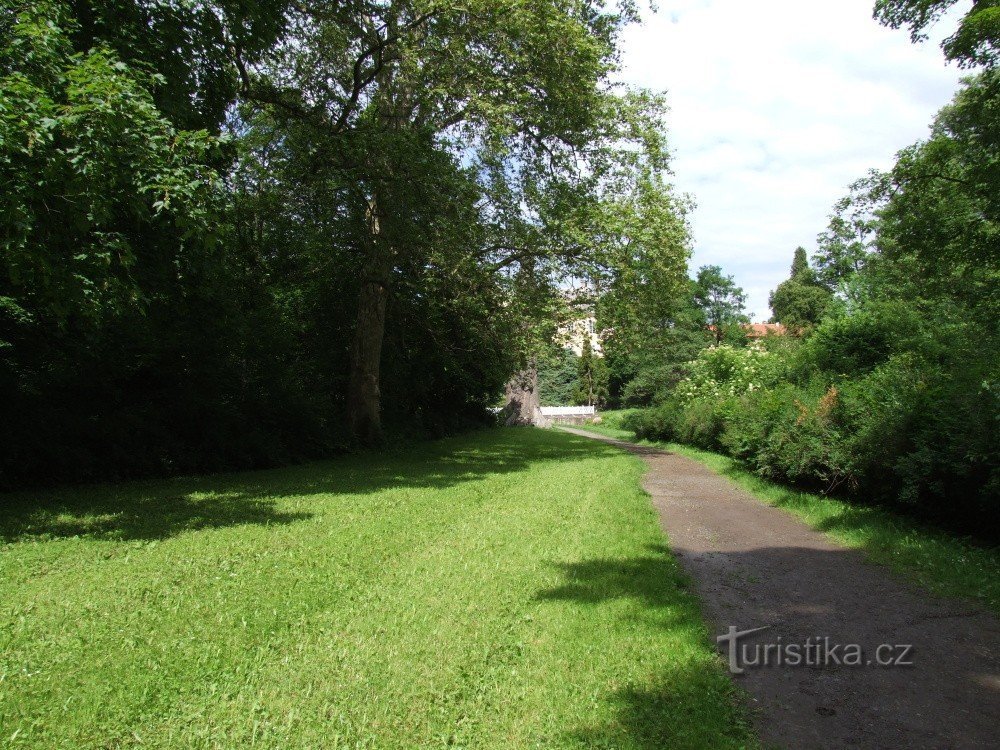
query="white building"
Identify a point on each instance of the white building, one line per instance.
(575, 332)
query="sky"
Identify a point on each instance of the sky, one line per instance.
(777, 106)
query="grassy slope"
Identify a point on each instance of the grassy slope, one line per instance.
(505, 589)
(936, 560)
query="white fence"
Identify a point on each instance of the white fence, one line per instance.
(568, 411)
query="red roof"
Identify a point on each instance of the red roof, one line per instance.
(758, 330)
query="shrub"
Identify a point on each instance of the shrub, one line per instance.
(703, 421)
(655, 423)
(926, 436)
(792, 434)
(724, 371)
(859, 342)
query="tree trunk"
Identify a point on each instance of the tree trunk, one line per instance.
(523, 407)
(364, 410)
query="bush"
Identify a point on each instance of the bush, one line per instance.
(860, 342)
(791, 434)
(655, 423)
(726, 371)
(926, 437)
(702, 422)
(918, 429)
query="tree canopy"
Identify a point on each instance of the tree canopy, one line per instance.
(721, 300)
(237, 233)
(976, 41)
(800, 301)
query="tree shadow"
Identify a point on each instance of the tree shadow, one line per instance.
(159, 509)
(653, 579)
(690, 703)
(689, 706)
(126, 516)
(796, 592)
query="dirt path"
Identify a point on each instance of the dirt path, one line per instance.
(756, 566)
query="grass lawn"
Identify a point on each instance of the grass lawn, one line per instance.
(505, 589)
(939, 562)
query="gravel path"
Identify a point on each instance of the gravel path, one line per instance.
(754, 566)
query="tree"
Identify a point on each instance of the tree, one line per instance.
(189, 45)
(231, 231)
(800, 301)
(848, 242)
(95, 175)
(592, 378)
(975, 42)
(517, 90)
(558, 371)
(722, 302)
(800, 266)
(135, 336)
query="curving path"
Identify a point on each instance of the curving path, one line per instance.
(754, 566)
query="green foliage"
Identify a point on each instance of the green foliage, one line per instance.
(648, 359)
(503, 109)
(558, 373)
(975, 42)
(137, 338)
(792, 434)
(849, 345)
(846, 245)
(801, 301)
(592, 377)
(94, 175)
(724, 371)
(219, 219)
(891, 396)
(655, 423)
(722, 302)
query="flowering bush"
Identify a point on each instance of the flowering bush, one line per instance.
(725, 371)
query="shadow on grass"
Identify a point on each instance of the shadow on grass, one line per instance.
(137, 515)
(690, 703)
(163, 508)
(690, 706)
(654, 579)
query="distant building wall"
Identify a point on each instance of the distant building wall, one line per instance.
(573, 334)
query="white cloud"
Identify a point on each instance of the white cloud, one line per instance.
(776, 107)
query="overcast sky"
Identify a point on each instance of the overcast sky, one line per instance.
(776, 107)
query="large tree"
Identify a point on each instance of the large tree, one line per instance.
(976, 41)
(519, 94)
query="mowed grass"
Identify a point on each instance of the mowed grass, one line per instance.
(505, 589)
(936, 560)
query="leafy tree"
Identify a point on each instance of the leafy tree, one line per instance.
(232, 231)
(558, 370)
(592, 379)
(722, 302)
(941, 201)
(95, 176)
(516, 91)
(800, 301)
(894, 395)
(848, 242)
(189, 46)
(135, 338)
(644, 365)
(975, 42)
